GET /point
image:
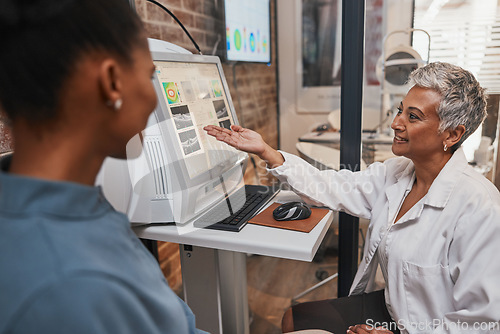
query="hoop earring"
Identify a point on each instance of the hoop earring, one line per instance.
(445, 147)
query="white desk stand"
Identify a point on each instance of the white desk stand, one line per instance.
(214, 264)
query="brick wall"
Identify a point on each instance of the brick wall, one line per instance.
(170, 264)
(256, 83)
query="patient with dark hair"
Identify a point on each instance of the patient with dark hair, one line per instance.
(75, 86)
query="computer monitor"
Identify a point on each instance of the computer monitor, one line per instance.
(175, 171)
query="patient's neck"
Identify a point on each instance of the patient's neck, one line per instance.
(54, 155)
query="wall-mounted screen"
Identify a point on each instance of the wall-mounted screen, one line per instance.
(248, 30)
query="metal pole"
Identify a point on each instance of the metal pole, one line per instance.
(351, 102)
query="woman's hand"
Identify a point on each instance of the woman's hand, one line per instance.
(240, 138)
(246, 140)
(362, 329)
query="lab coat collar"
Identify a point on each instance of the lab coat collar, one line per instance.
(403, 182)
(440, 191)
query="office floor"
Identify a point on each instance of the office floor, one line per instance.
(273, 282)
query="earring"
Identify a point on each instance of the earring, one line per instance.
(118, 104)
(445, 147)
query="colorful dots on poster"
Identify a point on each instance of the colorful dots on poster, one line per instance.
(237, 39)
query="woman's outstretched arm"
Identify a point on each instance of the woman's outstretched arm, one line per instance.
(248, 141)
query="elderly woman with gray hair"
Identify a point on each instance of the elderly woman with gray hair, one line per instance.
(434, 222)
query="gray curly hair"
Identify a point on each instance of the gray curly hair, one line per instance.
(463, 100)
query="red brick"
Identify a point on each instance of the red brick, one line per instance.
(186, 18)
(199, 37)
(171, 33)
(193, 5)
(155, 13)
(171, 4)
(152, 30)
(208, 24)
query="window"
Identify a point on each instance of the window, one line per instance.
(463, 32)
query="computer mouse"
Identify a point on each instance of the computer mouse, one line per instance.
(292, 211)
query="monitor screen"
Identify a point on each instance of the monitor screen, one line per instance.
(248, 30)
(192, 95)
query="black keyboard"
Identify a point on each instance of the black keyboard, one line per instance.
(233, 213)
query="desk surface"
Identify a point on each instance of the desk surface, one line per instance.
(252, 238)
(334, 137)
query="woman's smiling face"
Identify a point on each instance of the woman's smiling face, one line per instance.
(416, 125)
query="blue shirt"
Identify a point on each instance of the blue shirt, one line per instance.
(71, 264)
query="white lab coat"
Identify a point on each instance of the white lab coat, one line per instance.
(443, 274)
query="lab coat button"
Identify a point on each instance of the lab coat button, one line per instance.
(367, 259)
